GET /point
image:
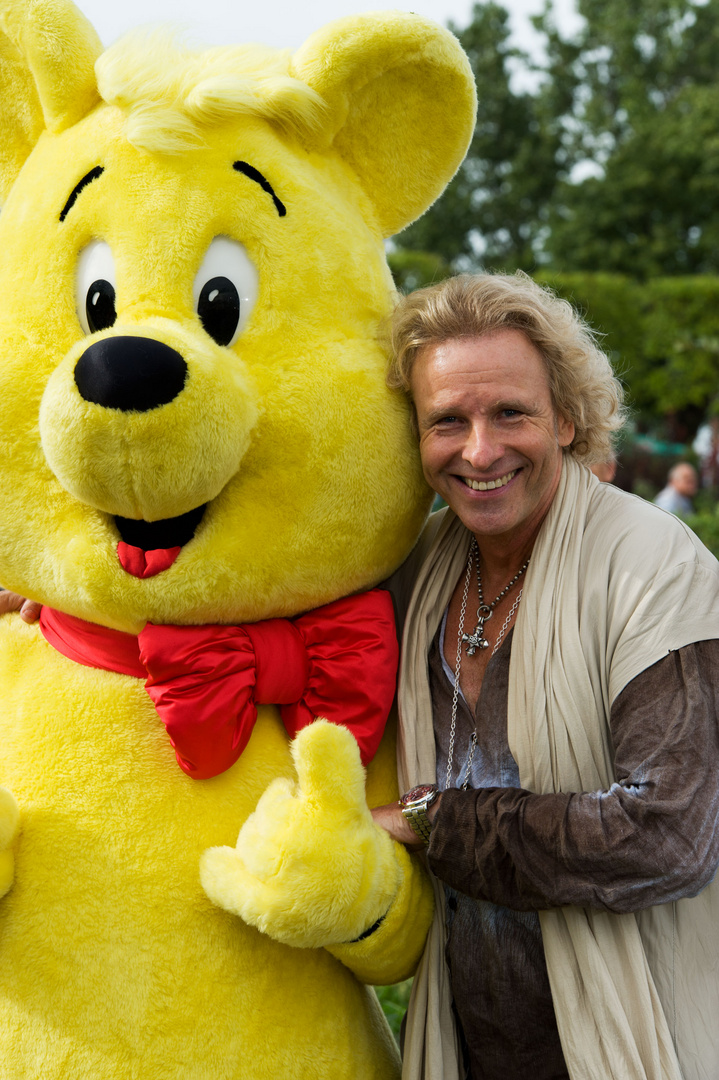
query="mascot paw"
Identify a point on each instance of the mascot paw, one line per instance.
(9, 823)
(310, 867)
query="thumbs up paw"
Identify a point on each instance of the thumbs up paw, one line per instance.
(310, 867)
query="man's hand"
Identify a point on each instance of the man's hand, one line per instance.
(392, 820)
(11, 601)
(310, 868)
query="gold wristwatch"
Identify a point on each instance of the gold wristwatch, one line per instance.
(414, 805)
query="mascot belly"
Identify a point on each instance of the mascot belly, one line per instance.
(197, 434)
(115, 962)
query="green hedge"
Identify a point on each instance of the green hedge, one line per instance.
(413, 269)
(706, 525)
(662, 335)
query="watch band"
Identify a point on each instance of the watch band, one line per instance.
(419, 821)
(414, 805)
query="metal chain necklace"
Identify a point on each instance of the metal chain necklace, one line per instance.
(476, 641)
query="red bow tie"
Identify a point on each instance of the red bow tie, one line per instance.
(338, 662)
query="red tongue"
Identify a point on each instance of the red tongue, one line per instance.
(144, 564)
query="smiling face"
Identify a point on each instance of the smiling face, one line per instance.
(262, 454)
(491, 441)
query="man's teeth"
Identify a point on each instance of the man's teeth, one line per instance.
(490, 485)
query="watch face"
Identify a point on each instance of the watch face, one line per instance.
(418, 794)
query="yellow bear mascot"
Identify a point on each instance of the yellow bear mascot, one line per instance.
(197, 437)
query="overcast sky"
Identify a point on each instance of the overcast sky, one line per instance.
(281, 23)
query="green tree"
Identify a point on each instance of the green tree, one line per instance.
(607, 161)
(495, 211)
(643, 112)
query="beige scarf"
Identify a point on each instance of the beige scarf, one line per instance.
(613, 585)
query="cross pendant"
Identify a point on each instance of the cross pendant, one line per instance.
(476, 640)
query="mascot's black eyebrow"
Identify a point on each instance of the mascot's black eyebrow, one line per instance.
(256, 175)
(88, 179)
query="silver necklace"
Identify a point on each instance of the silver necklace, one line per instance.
(476, 641)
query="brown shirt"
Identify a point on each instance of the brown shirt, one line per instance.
(505, 853)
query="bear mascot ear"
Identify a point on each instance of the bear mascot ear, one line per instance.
(48, 51)
(401, 106)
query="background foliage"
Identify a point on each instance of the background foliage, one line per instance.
(601, 154)
(394, 1001)
(663, 338)
(595, 168)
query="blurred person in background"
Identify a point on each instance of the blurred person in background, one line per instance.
(682, 486)
(605, 471)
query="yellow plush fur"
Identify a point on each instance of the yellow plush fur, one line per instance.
(116, 963)
(171, 94)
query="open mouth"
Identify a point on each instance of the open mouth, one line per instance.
(147, 548)
(490, 485)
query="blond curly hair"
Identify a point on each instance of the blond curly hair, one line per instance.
(584, 388)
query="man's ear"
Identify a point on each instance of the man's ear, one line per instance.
(401, 106)
(565, 430)
(47, 79)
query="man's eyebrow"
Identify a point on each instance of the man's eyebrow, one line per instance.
(438, 414)
(254, 174)
(529, 407)
(87, 179)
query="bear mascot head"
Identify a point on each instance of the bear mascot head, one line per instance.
(205, 478)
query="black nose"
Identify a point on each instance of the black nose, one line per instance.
(130, 373)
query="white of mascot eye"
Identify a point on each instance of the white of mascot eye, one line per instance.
(95, 285)
(225, 290)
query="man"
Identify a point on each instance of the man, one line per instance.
(576, 754)
(682, 486)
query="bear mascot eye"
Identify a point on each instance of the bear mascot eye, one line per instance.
(95, 287)
(225, 290)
